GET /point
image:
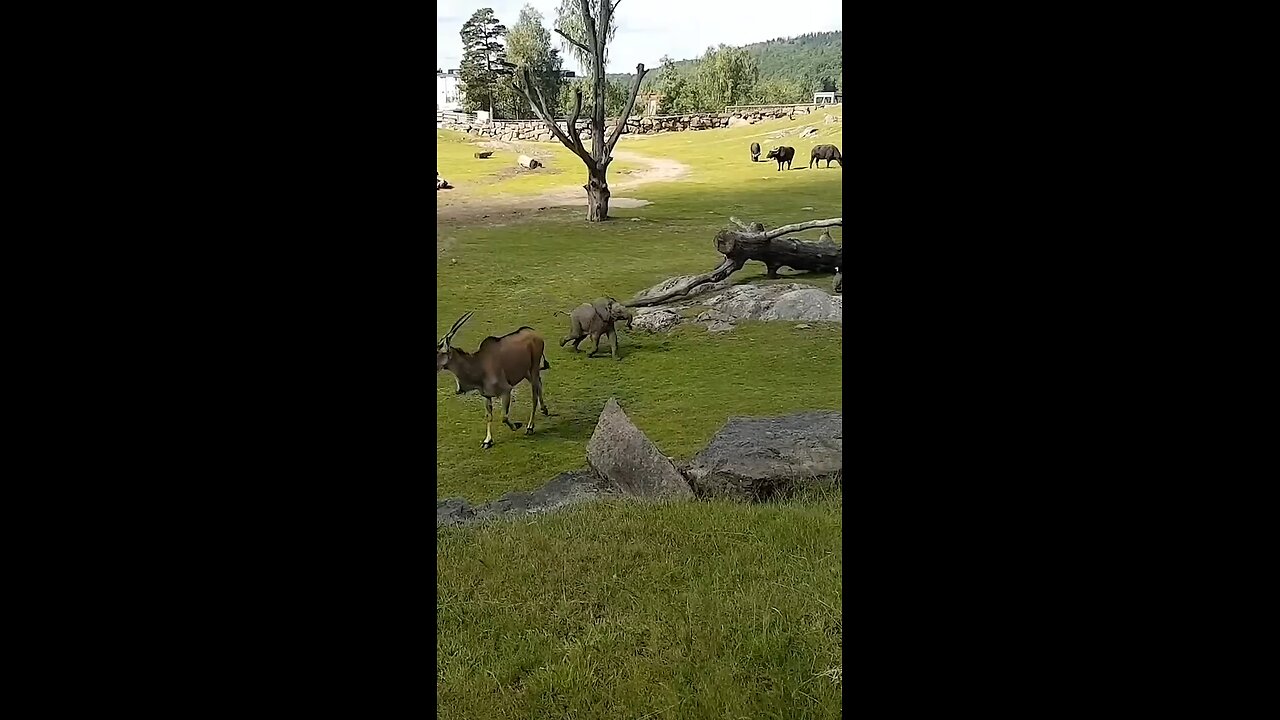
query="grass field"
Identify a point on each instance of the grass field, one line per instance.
(679, 388)
(619, 610)
(702, 610)
(500, 174)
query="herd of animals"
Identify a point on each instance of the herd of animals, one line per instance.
(785, 154)
(502, 363)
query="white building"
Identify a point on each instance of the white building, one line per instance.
(449, 91)
(828, 98)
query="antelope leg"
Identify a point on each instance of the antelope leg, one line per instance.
(488, 424)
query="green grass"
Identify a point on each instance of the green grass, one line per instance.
(620, 610)
(679, 388)
(616, 609)
(500, 173)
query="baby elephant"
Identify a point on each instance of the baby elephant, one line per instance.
(596, 319)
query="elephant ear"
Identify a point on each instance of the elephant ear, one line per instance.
(601, 307)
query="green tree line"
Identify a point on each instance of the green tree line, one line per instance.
(782, 70)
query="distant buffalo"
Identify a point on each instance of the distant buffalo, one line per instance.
(782, 154)
(825, 152)
(755, 152)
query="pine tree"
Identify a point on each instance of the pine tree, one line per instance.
(484, 59)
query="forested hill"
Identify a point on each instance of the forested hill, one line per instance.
(804, 61)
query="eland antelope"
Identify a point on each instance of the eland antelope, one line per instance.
(495, 369)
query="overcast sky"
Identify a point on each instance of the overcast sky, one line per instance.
(649, 29)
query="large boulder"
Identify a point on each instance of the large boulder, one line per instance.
(629, 462)
(761, 458)
(809, 304)
(655, 319)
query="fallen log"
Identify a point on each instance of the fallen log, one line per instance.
(528, 162)
(753, 242)
(484, 155)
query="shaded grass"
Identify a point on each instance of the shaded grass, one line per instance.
(621, 610)
(679, 388)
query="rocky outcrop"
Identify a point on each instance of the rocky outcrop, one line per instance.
(726, 305)
(750, 459)
(624, 457)
(762, 458)
(655, 319)
(564, 489)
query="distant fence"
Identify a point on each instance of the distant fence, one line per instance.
(450, 116)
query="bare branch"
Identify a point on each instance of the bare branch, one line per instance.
(615, 6)
(726, 268)
(797, 227)
(575, 43)
(540, 108)
(577, 108)
(589, 22)
(626, 112)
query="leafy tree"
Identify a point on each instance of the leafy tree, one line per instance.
(529, 46)
(726, 76)
(676, 96)
(484, 59)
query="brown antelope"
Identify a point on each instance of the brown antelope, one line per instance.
(495, 369)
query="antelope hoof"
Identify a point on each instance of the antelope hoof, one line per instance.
(528, 431)
(486, 444)
(545, 411)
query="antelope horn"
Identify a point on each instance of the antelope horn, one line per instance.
(457, 325)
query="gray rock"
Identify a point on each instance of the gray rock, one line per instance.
(655, 319)
(669, 284)
(762, 458)
(453, 511)
(807, 304)
(562, 491)
(629, 462)
(837, 282)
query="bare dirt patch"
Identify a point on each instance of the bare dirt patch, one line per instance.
(461, 206)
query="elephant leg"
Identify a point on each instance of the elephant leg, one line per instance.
(596, 349)
(506, 411)
(488, 424)
(613, 341)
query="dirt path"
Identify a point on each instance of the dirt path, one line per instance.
(459, 205)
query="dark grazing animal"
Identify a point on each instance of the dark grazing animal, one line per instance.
(755, 152)
(782, 154)
(825, 152)
(495, 369)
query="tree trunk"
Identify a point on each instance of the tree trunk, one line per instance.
(775, 253)
(597, 188)
(750, 241)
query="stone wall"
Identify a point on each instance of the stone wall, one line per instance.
(536, 130)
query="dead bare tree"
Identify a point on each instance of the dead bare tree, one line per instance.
(597, 161)
(753, 242)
